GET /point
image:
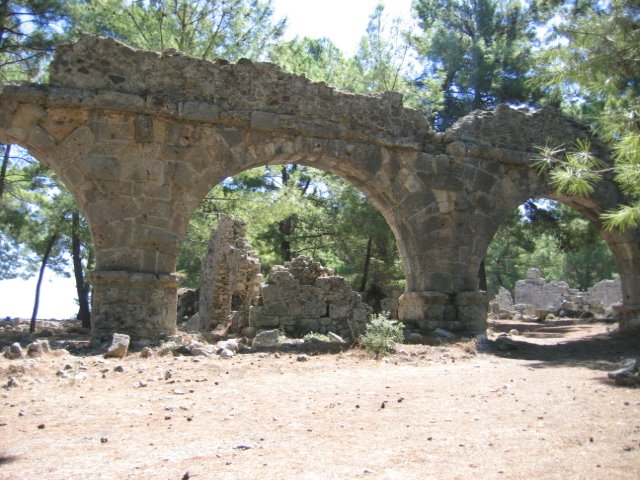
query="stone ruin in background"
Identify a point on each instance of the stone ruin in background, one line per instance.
(534, 296)
(298, 298)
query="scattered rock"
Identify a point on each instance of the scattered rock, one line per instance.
(514, 331)
(441, 332)
(266, 339)
(225, 353)
(231, 344)
(12, 383)
(119, 346)
(415, 338)
(13, 351)
(119, 369)
(628, 375)
(146, 352)
(62, 374)
(35, 349)
(302, 358)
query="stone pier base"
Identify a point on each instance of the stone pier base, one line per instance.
(464, 312)
(141, 305)
(629, 317)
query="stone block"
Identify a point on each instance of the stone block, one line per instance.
(266, 339)
(119, 346)
(265, 120)
(201, 111)
(414, 307)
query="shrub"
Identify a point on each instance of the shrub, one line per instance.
(381, 335)
(311, 336)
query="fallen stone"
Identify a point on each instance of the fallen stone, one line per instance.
(119, 346)
(35, 349)
(13, 351)
(231, 344)
(514, 331)
(415, 338)
(119, 369)
(266, 339)
(146, 352)
(62, 374)
(302, 358)
(628, 375)
(441, 332)
(12, 383)
(225, 353)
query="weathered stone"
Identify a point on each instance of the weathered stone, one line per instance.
(303, 297)
(146, 352)
(119, 346)
(503, 302)
(229, 278)
(35, 349)
(13, 351)
(266, 339)
(628, 375)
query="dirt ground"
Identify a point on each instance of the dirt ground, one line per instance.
(543, 411)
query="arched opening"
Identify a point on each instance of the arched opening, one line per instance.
(43, 235)
(289, 211)
(574, 260)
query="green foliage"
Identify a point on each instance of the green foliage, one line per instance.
(28, 32)
(206, 29)
(555, 239)
(479, 51)
(316, 336)
(327, 219)
(592, 70)
(381, 335)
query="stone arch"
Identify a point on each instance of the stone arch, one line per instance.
(140, 138)
(517, 182)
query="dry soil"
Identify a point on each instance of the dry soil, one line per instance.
(543, 411)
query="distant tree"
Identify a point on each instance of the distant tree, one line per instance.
(593, 70)
(206, 29)
(479, 50)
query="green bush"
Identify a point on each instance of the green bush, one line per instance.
(381, 335)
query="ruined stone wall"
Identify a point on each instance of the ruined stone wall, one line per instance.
(229, 277)
(302, 297)
(607, 293)
(204, 85)
(535, 290)
(558, 297)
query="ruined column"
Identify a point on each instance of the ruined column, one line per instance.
(142, 305)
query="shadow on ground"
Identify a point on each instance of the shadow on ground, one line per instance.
(568, 342)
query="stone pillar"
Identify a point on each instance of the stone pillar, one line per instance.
(427, 310)
(467, 312)
(471, 311)
(141, 305)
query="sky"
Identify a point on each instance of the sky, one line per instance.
(342, 21)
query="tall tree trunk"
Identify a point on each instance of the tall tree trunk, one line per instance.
(84, 314)
(367, 263)
(45, 258)
(287, 227)
(3, 171)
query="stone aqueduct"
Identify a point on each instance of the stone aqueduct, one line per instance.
(139, 138)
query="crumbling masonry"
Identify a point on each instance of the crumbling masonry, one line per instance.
(139, 138)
